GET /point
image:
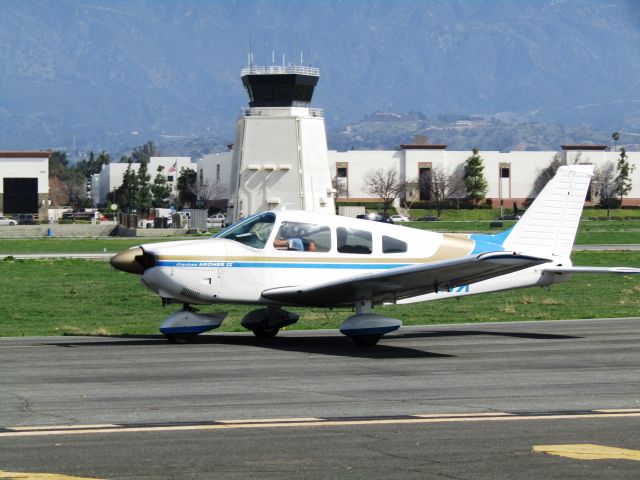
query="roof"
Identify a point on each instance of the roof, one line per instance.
(38, 154)
(584, 147)
(420, 146)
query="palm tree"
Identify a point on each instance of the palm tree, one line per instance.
(616, 137)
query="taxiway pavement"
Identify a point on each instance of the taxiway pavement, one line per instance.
(461, 401)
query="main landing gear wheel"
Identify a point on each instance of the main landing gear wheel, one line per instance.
(265, 332)
(180, 338)
(366, 340)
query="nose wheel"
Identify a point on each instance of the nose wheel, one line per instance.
(366, 340)
(265, 332)
(182, 326)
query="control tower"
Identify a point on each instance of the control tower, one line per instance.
(280, 157)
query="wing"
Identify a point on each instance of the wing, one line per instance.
(623, 270)
(404, 282)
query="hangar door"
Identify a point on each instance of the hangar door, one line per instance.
(20, 195)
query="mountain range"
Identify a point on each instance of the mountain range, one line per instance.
(98, 74)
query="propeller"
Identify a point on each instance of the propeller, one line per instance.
(135, 260)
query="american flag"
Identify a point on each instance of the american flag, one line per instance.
(175, 166)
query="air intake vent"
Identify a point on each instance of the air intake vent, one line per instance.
(147, 260)
(187, 292)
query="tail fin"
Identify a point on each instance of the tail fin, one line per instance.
(549, 225)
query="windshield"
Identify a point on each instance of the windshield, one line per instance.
(253, 231)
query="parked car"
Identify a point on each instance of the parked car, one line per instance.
(429, 218)
(399, 218)
(216, 220)
(26, 219)
(376, 217)
(7, 221)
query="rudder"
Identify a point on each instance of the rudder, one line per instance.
(549, 225)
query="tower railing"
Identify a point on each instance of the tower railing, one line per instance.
(260, 111)
(279, 70)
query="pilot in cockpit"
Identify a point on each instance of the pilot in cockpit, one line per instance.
(288, 238)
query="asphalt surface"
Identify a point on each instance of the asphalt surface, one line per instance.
(463, 402)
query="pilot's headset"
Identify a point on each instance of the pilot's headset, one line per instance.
(287, 230)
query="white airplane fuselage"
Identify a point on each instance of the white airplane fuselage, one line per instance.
(221, 270)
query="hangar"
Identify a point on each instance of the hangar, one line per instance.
(24, 183)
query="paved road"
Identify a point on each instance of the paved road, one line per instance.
(464, 401)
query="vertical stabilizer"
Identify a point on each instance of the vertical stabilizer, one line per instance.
(549, 225)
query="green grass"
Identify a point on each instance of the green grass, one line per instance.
(78, 245)
(460, 226)
(73, 297)
(589, 233)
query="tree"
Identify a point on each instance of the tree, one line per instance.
(144, 188)
(58, 194)
(616, 137)
(384, 184)
(143, 153)
(76, 184)
(93, 165)
(445, 186)
(339, 184)
(546, 174)
(160, 189)
(474, 181)
(623, 180)
(127, 193)
(67, 186)
(606, 187)
(187, 187)
(208, 191)
(58, 163)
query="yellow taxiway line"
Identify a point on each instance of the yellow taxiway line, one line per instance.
(587, 451)
(38, 476)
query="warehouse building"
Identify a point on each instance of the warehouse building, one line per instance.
(510, 175)
(24, 183)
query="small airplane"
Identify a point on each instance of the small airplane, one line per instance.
(288, 258)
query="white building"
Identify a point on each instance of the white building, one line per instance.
(214, 179)
(510, 175)
(280, 157)
(24, 183)
(111, 175)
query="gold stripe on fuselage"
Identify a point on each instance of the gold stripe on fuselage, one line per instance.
(450, 248)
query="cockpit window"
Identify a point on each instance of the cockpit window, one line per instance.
(393, 245)
(306, 237)
(252, 231)
(352, 240)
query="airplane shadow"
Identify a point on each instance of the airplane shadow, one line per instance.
(466, 333)
(324, 345)
(337, 345)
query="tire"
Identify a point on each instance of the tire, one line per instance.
(366, 340)
(266, 332)
(180, 338)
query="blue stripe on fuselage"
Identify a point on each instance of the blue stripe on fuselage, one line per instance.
(235, 264)
(489, 243)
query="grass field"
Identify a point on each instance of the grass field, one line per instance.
(72, 297)
(589, 233)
